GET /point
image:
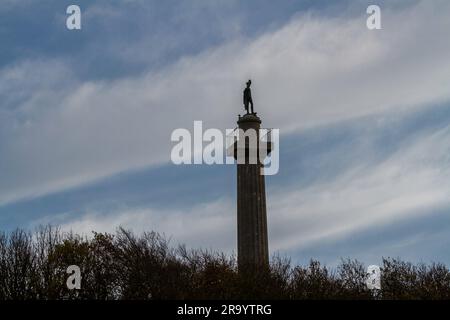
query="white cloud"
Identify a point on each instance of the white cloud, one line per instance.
(412, 181)
(208, 225)
(312, 71)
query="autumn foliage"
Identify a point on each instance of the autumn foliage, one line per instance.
(126, 266)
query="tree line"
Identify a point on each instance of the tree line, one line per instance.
(127, 266)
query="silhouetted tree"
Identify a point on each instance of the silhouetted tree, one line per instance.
(126, 266)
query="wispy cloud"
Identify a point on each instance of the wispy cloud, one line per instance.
(413, 180)
(208, 225)
(312, 71)
(410, 182)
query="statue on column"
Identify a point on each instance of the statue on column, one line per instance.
(248, 97)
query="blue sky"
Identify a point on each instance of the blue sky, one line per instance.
(86, 117)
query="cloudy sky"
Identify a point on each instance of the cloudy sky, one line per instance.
(364, 117)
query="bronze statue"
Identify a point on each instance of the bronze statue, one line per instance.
(248, 97)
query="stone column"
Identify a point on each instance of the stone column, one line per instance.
(253, 249)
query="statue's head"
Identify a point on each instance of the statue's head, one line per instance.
(249, 82)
